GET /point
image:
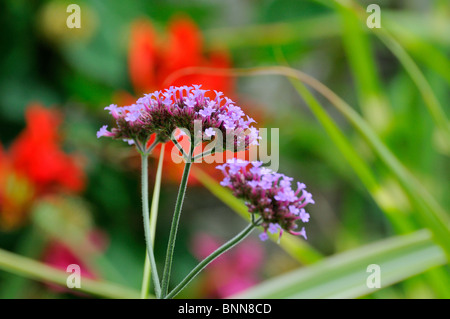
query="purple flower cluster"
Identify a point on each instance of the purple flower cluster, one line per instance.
(183, 107)
(268, 194)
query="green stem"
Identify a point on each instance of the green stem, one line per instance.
(31, 269)
(145, 215)
(174, 228)
(205, 262)
(153, 219)
(178, 146)
(146, 277)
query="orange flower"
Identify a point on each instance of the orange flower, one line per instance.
(35, 166)
(37, 154)
(153, 57)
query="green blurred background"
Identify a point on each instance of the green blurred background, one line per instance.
(397, 78)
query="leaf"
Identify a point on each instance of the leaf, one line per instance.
(373, 103)
(32, 269)
(434, 106)
(345, 275)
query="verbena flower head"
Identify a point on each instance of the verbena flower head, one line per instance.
(269, 195)
(162, 112)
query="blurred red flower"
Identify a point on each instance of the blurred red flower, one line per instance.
(153, 57)
(35, 166)
(37, 153)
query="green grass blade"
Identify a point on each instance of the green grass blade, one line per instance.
(345, 275)
(358, 48)
(32, 269)
(382, 197)
(422, 49)
(435, 108)
(430, 99)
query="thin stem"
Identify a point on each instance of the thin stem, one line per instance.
(202, 155)
(178, 146)
(151, 147)
(145, 215)
(174, 227)
(146, 277)
(153, 219)
(205, 262)
(209, 150)
(142, 145)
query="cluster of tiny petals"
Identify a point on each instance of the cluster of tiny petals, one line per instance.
(162, 112)
(268, 194)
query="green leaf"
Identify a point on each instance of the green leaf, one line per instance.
(423, 50)
(434, 106)
(32, 269)
(357, 45)
(381, 196)
(345, 275)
